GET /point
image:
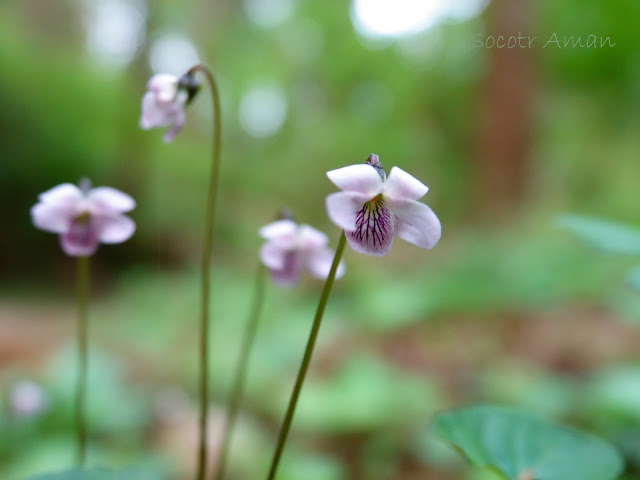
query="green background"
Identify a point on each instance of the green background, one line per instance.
(507, 308)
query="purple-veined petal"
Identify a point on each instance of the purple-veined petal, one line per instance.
(289, 274)
(80, 240)
(416, 223)
(310, 239)
(374, 229)
(342, 208)
(319, 264)
(107, 199)
(272, 255)
(113, 229)
(360, 178)
(64, 194)
(402, 186)
(52, 217)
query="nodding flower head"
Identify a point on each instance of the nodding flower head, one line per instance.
(84, 217)
(372, 208)
(291, 248)
(164, 102)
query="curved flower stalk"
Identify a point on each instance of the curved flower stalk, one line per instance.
(291, 248)
(372, 208)
(83, 218)
(163, 105)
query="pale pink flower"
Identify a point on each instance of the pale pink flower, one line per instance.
(26, 398)
(372, 208)
(84, 217)
(163, 105)
(290, 248)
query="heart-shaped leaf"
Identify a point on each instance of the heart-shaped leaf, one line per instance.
(525, 447)
(98, 474)
(604, 235)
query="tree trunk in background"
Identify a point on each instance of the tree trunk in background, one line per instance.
(504, 120)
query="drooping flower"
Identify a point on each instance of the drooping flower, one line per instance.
(84, 217)
(372, 208)
(164, 102)
(291, 248)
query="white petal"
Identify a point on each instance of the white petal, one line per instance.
(416, 223)
(152, 114)
(342, 208)
(319, 264)
(163, 86)
(402, 186)
(309, 238)
(108, 199)
(272, 255)
(360, 178)
(64, 194)
(116, 229)
(277, 229)
(52, 217)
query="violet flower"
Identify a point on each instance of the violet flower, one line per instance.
(84, 217)
(163, 105)
(27, 398)
(373, 208)
(290, 248)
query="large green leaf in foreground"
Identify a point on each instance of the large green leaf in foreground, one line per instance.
(604, 235)
(525, 447)
(98, 474)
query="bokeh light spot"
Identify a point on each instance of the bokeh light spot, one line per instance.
(263, 110)
(173, 53)
(115, 30)
(383, 18)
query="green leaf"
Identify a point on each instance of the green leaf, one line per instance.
(613, 393)
(605, 235)
(366, 394)
(98, 474)
(525, 447)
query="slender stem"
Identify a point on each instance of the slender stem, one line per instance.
(304, 366)
(81, 383)
(235, 398)
(205, 280)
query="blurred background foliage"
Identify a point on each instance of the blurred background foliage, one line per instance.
(507, 308)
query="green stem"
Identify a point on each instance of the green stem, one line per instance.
(304, 366)
(81, 383)
(205, 269)
(235, 398)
